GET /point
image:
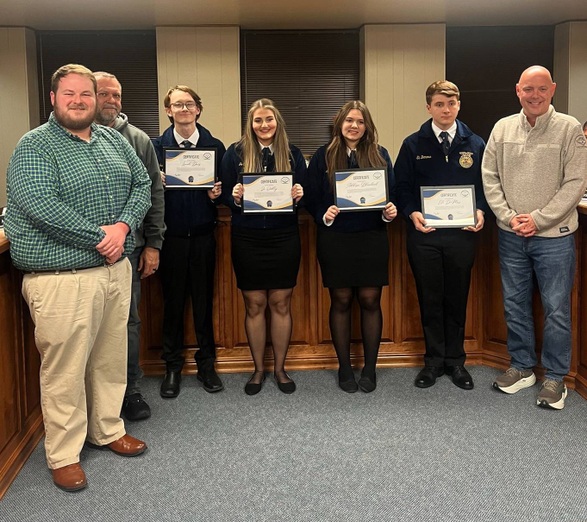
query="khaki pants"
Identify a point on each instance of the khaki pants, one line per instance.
(80, 331)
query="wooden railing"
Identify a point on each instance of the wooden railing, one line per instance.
(311, 346)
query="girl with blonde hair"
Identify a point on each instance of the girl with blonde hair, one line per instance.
(265, 247)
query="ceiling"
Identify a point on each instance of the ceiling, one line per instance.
(282, 14)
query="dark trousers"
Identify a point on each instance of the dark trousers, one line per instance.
(134, 372)
(187, 269)
(441, 262)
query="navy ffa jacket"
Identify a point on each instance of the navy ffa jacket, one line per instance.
(421, 162)
(321, 196)
(232, 170)
(189, 211)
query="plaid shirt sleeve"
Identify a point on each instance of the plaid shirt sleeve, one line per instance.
(33, 177)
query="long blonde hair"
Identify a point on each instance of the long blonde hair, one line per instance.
(249, 146)
(368, 155)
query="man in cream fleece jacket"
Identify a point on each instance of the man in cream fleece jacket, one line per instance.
(534, 174)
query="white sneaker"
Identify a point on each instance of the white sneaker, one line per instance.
(552, 394)
(514, 380)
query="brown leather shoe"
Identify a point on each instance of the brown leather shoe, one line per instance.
(70, 478)
(127, 446)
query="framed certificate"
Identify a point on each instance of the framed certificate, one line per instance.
(267, 193)
(449, 207)
(190, 168)
(361, 189)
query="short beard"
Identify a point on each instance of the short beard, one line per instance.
(73, 125)
(103, 120)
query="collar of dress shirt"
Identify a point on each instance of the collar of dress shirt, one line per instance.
(193, 138)
(261, 147)
(451, 131)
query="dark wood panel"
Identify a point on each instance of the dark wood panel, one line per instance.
(20, 417)
(403, 346)
(10, 406)
(311, 346)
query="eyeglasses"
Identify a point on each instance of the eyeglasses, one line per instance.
(190, 106)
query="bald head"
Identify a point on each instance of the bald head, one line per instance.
(535, 90)
(536, 70)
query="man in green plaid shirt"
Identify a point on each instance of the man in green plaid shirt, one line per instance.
(76, 193)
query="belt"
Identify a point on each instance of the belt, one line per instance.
(57, 272)
(69, 270)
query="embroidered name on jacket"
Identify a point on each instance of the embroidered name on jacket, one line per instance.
(421, 157)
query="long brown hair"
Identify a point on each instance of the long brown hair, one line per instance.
(368, 155)
(249, 145)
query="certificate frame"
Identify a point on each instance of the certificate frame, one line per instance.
(190, 168)
(449, 206)
(361, 189)
(267, 193)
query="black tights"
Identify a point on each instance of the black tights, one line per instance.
(341, 300)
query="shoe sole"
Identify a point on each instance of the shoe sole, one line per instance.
(72, 489)
(209, 390)
(559, 405)
(130, 455)
(465, 386)
(119, 453)
(524, 382)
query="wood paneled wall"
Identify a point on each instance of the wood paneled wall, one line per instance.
(311, 345)
(21, 424)
(311, 348)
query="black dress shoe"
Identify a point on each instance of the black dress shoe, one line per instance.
(209, 379)
(286, 386)
(367, 384)
(346, 383)
(252, 388)
(134, 407)
(170, 385)
(460, 377)
(427, 376)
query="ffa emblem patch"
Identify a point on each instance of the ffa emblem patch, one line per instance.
(466, 160)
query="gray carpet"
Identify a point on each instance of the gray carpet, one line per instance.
(320, 454)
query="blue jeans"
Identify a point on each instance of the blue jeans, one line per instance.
(134, 372)
(553, 262)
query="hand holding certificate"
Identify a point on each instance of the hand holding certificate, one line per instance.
(267, 193)
(361, 189)
(190, 168)
(449, 207)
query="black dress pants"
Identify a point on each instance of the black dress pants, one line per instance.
(441, 262)
(187, 269)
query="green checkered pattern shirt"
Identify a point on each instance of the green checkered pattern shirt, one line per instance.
(61, 189)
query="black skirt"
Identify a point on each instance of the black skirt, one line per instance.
(266, 259)
(353, 259)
